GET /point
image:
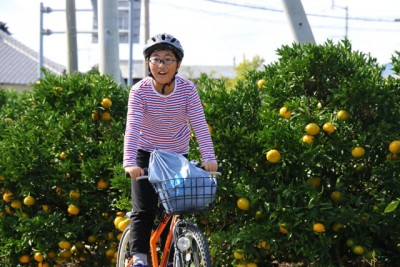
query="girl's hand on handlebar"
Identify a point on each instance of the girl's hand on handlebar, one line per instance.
(210, 166)
(134, 171)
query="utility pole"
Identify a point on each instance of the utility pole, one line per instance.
(146, 32)
(298, 21)
(71, 36)
(109, 39)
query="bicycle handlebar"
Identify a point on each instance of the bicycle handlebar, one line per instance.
(145, 176)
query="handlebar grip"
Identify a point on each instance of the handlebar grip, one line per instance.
(145, 170)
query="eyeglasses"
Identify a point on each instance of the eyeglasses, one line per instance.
(158, 61)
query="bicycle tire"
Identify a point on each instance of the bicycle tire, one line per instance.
(198, 255)
(123, 248)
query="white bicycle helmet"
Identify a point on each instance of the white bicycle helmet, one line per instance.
(163, 41)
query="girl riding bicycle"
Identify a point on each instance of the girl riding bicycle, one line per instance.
(162, 108)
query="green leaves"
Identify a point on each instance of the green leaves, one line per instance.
(313, 82)
(50, 146)
(392, 206)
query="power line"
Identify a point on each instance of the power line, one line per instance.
(309, 14)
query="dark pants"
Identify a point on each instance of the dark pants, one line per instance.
(144, 209)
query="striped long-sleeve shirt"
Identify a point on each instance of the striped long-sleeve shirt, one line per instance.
(156, 121)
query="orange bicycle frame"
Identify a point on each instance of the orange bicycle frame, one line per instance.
(155, 236)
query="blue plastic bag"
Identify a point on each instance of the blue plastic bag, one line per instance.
(182, 186)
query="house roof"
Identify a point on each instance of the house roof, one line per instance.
(19, 64)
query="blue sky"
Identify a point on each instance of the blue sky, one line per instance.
(217, 32)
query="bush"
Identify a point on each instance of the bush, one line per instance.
(310, 203)
(293, 215)
(59, 146)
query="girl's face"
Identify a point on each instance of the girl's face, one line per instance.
(163, 65)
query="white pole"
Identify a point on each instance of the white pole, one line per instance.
(298, 21)
(131, 29)
(40, 74)
(109, 39)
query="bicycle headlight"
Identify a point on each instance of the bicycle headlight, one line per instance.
(183, 243)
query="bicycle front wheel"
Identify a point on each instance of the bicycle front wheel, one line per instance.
(191, 246)
(123, 248)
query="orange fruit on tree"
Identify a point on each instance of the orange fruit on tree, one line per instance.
(102, 184)
(45, 208)
(66, 254)
(8, 196)
(314, 181)
(284, 112)
(105, 116)
(8, 210)
(261, 83)
(117, 220)
(95, 116)
(24, 259)
(350, 242)
(16, 204)
(358, 152)
(106, 103)
(308, 139)
(74, 194)
(336, 196)
(210, 129)
(273, 156)
(318, 228)
(121, 213)
(391, 156)
(243, 203)
(394, 147)
(73, 210)
(238, 254)
(328, 127)
(92, 239)
(119, 236)
(38, 256)
(343, 115)
(359, 250)
(64, 244)
(282, 228)
(51, 254)
(110, 236)
(110, 253)
(312, 128)
(79, 245)
(123, 224)
(251, 264)
(29, 200)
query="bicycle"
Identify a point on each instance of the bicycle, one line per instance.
(188, 242)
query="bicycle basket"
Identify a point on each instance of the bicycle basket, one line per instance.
(182, 195)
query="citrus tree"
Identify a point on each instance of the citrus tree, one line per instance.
(310, 149)
(60, 144)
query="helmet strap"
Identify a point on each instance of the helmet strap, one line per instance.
(163, 88)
